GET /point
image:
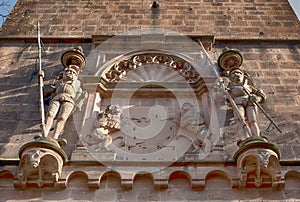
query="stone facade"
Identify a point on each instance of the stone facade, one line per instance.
(174, 49)
(221, 18)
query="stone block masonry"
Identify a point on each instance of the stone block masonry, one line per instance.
(225, 19)
(267, 34)
(19, 101)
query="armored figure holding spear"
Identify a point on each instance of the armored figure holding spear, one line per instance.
(243, 96)
(66, 92)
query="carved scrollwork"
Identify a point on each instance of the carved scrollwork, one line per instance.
(126, 65)
(163, 59)
(115, 73)
(140, 60)
(185, 69)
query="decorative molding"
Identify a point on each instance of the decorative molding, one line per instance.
(119, 70)
(41, 164)
(258, 164)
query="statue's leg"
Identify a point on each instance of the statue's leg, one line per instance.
(52, 111)
(241, 129)
(64, 113)
(241, 111)
(252, 120)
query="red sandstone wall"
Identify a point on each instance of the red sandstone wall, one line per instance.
(274, 67)
(222, 18)
(217, 189)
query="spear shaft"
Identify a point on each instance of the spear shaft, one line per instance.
(264, 112)
(41, 82)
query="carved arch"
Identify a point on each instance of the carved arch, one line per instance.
(155, 67)
(116, 71)
(217, 177)
(292, 177)
(148, 179)
(77, 174)
(6, 174)
(39, 167)
(259, 170)
(181, 175)
(293, 173)
(215, 173)
(109, 179)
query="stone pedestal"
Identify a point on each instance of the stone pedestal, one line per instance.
(41, 164)
(258, 164)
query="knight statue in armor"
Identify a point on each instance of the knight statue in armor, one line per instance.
(245, 96)
(66, 92)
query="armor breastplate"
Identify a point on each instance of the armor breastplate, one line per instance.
(237, 91)
(65, 92)
(239, 94)
(66, 88)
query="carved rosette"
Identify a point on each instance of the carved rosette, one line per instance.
(41, 164)
(117, 71)
(258, 164)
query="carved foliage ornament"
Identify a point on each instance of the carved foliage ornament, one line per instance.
(184, 68)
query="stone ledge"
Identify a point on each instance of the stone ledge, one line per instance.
(98, 39)
(197, 176)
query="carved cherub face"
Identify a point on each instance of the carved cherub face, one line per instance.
(236, 76)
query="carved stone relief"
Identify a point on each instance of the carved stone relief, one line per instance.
(41, 164)
(258, 164)
(160, 97)
(185, 69)
(193, 122)
(158, 110)
(107, 122)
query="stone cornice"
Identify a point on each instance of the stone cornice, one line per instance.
(214, 40)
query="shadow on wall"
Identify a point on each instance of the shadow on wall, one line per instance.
(19, 98)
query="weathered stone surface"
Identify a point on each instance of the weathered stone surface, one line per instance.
(273, 65)
(230, 19)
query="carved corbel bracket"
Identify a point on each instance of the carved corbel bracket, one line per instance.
(258, 164)
(41, 164)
